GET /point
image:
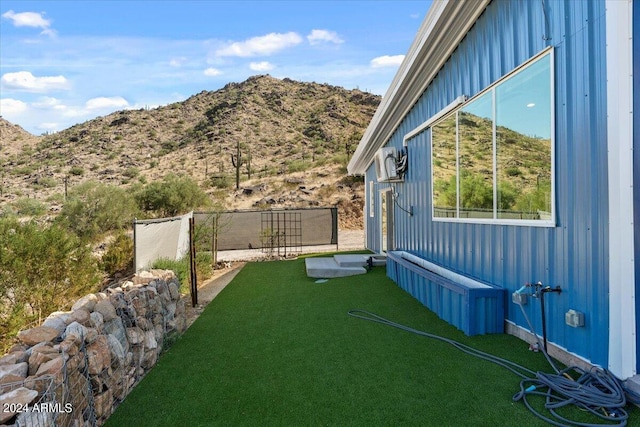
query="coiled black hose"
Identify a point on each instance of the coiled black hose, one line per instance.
(597, 391)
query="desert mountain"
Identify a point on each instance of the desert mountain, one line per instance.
(291, 140)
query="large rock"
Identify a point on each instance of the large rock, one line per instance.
(52, 367)
(17, 369)
(107, 310)
(116, 328)
(40, 355)
(14, 357)
(103, 403)
(17, 398)
(117, 351)
(81, 316)
(37, 335)
(58, 320)
(135, 335)
(70, 345)
(173, 290)
(77, 330)
(43, 418)
(96, 321)
(87, 302)
(98, 355)
(11, 378)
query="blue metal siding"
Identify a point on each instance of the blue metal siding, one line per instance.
(572, 255)
(636, 160)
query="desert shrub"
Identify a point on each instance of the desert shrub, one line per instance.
(93, 208)
(180, 267)
(172, 196)
(119, 255)
(131, 172)
(204, 267)
(76, 170)
(47, 182)
(41, 270)
(297, 166)
(220, 181)
(29, 207)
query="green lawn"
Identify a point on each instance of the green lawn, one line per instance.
(276, 348)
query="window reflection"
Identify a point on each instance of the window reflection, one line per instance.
(523, 143)
(492, 159)
(445, 185)
(475, 163)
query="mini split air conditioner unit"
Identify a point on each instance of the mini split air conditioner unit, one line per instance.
(386, 168)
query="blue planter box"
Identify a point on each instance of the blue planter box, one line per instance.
(475, 309)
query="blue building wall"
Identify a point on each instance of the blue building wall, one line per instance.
(636, 160)
(572, 255)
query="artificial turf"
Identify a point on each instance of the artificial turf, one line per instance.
(277, 348)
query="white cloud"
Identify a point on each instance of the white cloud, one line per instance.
(104, 103)
(30, 19)
(48, 103)
(24, 80)
(387, 61)
(48, 126)
(261, 66)
(12, 106)
(212, 72)
(262, 45)
(323, 36)
(177, 62)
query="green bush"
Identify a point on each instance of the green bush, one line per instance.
(180, 267)
(297, 166)
(41, 270)
(174, 195)
(204, 269)
(93, 208)
(119, 255)
(76, 170)
(29, 207)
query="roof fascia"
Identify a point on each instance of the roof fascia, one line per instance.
(445, 25)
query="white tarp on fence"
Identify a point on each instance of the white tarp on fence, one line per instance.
(160, 238)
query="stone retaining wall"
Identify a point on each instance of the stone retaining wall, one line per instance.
(76, 367)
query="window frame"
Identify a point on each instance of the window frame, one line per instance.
(448, 112)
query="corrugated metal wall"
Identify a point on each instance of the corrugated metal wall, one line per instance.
(636, 155)
(572, 255)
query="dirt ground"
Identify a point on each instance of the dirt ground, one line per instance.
(348, 240)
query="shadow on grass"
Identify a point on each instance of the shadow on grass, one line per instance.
(276, 348)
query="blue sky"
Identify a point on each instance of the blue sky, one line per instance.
(65, 62)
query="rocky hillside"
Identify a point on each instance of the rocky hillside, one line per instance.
(13, 138)
(288, 143)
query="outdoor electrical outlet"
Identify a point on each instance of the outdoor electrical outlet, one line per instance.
(518, 298)
(574, 318)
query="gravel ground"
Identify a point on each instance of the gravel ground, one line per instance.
(348, 240)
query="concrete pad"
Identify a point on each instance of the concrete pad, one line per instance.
(360, 260)
(351, 260)
(328, 268)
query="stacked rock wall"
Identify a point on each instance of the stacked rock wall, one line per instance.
(76, 367)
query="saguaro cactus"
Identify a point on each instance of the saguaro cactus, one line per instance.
(237, 161)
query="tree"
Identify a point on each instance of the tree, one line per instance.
(41, 270)
(93, 208)
(174, 195)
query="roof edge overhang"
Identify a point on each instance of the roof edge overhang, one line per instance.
(445, 25)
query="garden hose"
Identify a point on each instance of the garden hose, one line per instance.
(597, 391)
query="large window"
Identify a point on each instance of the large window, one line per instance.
(492, 158)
